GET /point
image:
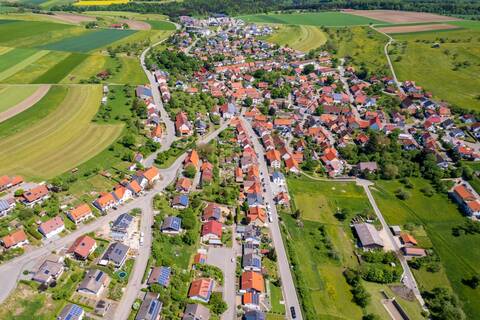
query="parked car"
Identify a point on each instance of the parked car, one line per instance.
(293, 313)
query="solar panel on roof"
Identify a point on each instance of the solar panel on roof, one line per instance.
(99, 275)
(164, 277)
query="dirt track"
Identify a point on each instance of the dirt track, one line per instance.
(72, 18)
(25, 104)
(417, 28)
(393, 16)
(137, 25)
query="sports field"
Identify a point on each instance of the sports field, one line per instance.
(450, 71)
(331, 19)
(329, 294)
(89, 41)
(303, 38)
(438, 215)
(12, 95)
(59, 141)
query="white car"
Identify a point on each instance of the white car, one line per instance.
(141, 240)
(270, 219)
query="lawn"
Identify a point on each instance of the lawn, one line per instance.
(332, 19)
(35, 68)
(10, 96)
(303, 38)
(434, 68)
(61, 69)
(89, 40)
(60, 141)
(437, 215)
(275, 298)
(321, 265)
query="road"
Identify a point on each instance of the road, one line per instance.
(408, 278)
(289, 291)
(385, 49)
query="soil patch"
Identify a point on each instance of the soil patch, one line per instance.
(393, 16)
(417, 28)
(25, 104)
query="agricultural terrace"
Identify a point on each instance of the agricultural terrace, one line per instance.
(445, 63)
(431, 220)
(298, 37)
(59, 141)
(10, 96)
(325, 245)
(330, 19)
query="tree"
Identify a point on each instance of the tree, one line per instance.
(128, 140)
(472, 282)
(190, 171)
(217, 305)
(297, 214)
(309, 68)
(390, 171)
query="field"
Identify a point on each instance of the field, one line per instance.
(303, 38)
(12, 95)
(99, 2)
(14, 33)
(438, 215)
(328, 290)
(89, 41)
(161, 25)
(475, 25)
(449, 71)
(331, 19)
(393, 16)
(59, 141)
(61, 69)
(417, 28)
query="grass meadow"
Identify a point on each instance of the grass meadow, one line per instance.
(450, 71)
(303, 38)
(437, 215)
(61, 140)
(331, 19)
(328, 290)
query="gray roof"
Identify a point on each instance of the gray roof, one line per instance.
(47, 270)
(4, 205)
(252, 260)
(93, 281)
(196, 312)
(368, 235)
(370, 166)
(150, 308)
(116, 253)
(71, 312)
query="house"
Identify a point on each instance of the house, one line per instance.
(279, 179)
(212, 232)
(254, 199)
(252, 262)
(251, 300)
(254, 315)
(6, 205)
(211, 212)
(183, 185)
(408, 240)
(49, 271)
(160, 275)
(367, 166)
(52, 227)
(274, 159)
(368, 236)
(121, 227)
(35, 195)
(171, 225)
(152, 175)
(180, 201)
(252, 234)
(80, 213)
(292, 165)
(200, 258)
(116, 254)
(196, 311)
(192, 158)
(94, 282)
(105, 201)
(83, 247)
(413, 252)
(150, 308)
(71, 312)
(256, 215)
(252, 281)
(16, 239)
(201, 289)
(183, 127)
(122, 194)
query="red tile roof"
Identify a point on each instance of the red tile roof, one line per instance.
(14, 238)
(83, 246)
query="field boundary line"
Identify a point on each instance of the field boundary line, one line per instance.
(22, 64)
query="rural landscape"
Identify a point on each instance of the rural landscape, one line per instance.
(239, 160)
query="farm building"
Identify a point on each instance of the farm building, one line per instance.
(368, 236)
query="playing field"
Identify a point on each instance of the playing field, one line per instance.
(329, 294)
(61, 140)
(12, 95)
(450, 71)
(89, 41)
(333, 19)
(438, 215)
(299, 37)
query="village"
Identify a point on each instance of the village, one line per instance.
(268, 113)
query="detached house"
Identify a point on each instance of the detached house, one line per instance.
(82, 247)
(201, 289)
(105, 201)
(52, 227)
(94, 283)
(15, 239)
(212, 232)
(183, 127)
(274, 158)
(252, 281)
(80, 213)
(35, 195)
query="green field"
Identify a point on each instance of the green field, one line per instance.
(89, 41)
(331, 19)
(438, 215)
(61, 69)
(12, 95)
(303, 38)
(469, 24)
(328, 291)
(15, 31)
(161, 25)
(12, 57)
(435, 68)
(21, 65)
(61, 140)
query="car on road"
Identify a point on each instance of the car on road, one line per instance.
(264, 190)
(293, 313)
(270, 219)
(141, 241)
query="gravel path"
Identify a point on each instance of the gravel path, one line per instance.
(25, 104)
